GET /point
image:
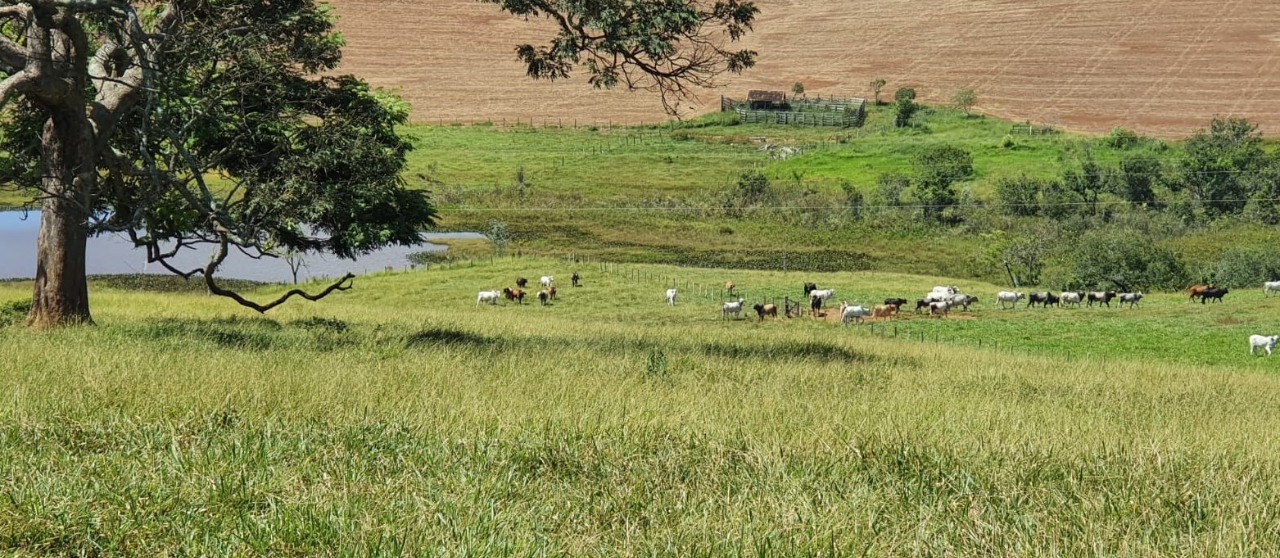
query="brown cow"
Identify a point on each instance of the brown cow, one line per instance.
(514, 294)
(884, 311)
(1197, 290)
(766, 311)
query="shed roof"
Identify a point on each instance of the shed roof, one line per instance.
(767, 96)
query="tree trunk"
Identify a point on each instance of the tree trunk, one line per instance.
(61, 295)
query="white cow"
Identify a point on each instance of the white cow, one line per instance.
(734, 308)
(853, 314)
(939, 309)
(547, 281)
(1270, 287)
(1072, 298)
(1012, 297)
(1131, 299)
(488, 296)
(1262, 341)
(671, 297)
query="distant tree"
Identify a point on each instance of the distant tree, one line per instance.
(797, 89)
(1020, 256)
(1089, 181)
(877, 85)
(1136, 179)
(1057, 201)
(499, 235)
(937, 169)
(1125, 261)
(674, 47)
(891, 186)
(1019, 195)
(964, 99)
(1217, 164)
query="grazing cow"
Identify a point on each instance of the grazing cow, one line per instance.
(763, 310)
(1262, 342)
(551, 292)
(1102, 298)
(898, 302)
(1270, 287)
(522, 282)
(576, 279)
(543, 295)
(853, 314)
(734, 308)
(514, 294)
(810, 287)
(1131, 299)
(1069, 297)
(729, 287)
(922, 303)
(671, 297)
(1197, 290)
(1214, 293)
(547, 281)
(939, 309)
(1011, 297)
(962, 300)
(490, 297)
(1044, 299)
(884, 311)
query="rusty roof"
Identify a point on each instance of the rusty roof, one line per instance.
(769, 96)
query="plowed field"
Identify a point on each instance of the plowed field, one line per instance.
(1162, 67)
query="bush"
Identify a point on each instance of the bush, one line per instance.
(1120, 138)
(1020, 195)
(1247, 267)
(904, 94)
(1007, 142)
(1124, 260)
(14, 312)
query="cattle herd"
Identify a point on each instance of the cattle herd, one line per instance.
(938, 302)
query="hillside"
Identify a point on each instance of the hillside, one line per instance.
(1161, 67)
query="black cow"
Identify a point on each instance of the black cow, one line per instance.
(810, 287)
(1214, 293)
(922, 303)
(896, 302)
(1044, 299)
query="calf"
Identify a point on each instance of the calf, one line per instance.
(514, 294)
(1102, 298)
(522, 282)
(671, 297)
(546, 281)
(1262, 342)
(853, 314)
(543, 296)
(899, 302)
(763, 310)
(576, 279)
(884, 311)
(1130, 298)
(734, 308)
(922, 304)
(1197, 290)
(1214, 293)
(490, 297)
(1011, 297)
(1072, 298)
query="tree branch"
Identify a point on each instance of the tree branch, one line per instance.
(342, 284)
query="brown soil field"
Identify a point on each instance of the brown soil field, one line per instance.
(1161, 67)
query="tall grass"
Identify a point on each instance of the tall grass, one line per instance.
(399, 418)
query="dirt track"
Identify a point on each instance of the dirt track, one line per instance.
(1162, 67)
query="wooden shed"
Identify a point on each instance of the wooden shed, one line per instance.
(766, 100)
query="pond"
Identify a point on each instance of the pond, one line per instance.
(110, 254)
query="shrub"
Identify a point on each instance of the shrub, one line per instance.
(1247, 267)
(1124, 260)
(14, 312)
(1007, 142)
(1020, 195)
(1120, 138)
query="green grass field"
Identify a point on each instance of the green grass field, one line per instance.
(399, 418)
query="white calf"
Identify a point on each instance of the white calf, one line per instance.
(734, 308)
(671, 297)
(1010, 297)
(1262, 341)
(1270, 287)
(488, 296)
(854, 314)
(547, 281)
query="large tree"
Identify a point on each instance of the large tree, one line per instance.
(219, 123)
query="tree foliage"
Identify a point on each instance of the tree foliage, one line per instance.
(1019, 195)
(1123, 260)
(1218, 162)
(672, 47)
(877, 85)
(937, 169)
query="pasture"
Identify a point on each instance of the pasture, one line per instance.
(399, 418)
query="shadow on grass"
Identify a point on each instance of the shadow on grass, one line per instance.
(442, 336)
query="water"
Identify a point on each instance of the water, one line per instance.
(113, 254)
